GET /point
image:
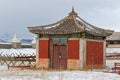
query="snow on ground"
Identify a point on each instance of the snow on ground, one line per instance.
(31, 51)
(56, 75)
(28, 51)
(3, 67)
(112, 50)
(18, 74)
(110, 63)
(14, 74)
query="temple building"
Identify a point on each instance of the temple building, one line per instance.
(70, 43)
(113, 41)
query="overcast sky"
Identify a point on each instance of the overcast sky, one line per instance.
(17, 15)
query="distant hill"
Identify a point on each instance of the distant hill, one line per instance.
(5, 38)
(3, 41)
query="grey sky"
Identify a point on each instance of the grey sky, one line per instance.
(17, 15)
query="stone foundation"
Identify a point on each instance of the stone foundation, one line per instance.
(73, 64)
(94, 66)
(42, 63)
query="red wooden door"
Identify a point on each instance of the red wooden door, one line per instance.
(60, 57)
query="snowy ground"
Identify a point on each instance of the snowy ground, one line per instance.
(28, 51)
(110, 63)
(17, 74)
(112, 50)
(14, 74)
(31, 51)
(56, 75)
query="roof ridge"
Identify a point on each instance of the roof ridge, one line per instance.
(70, 24)
(96, 28)
(76, 23)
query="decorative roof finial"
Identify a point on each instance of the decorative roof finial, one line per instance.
(72, 12)
(72, 8)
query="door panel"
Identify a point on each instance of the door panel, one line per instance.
(59, 56)
(94, 54)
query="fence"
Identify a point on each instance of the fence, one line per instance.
(18, 59)
(113, 57)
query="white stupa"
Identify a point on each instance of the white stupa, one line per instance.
(15, 39)
(34, 41)
(15, 42)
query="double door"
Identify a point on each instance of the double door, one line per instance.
(59, 56)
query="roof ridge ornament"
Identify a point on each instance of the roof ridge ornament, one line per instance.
(72, 9)
(73, 12)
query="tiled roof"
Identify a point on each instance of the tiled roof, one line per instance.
(70, 24)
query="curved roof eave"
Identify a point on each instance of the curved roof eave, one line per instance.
(72, 22)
